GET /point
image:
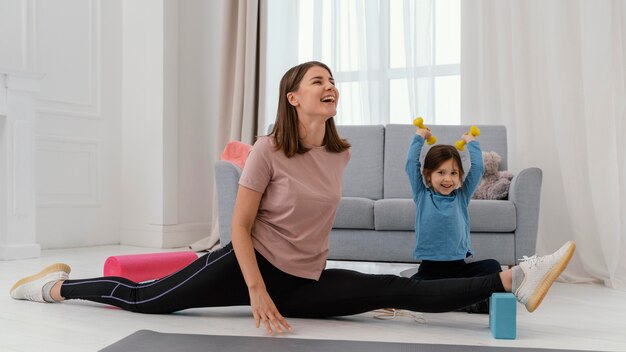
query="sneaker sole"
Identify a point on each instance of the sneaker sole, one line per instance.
(549, 279)
(49, 269)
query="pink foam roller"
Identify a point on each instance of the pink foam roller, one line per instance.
(150, 266)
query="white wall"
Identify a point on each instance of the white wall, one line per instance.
(149, 136)
(76, 45)
(199, 30)
(170, 57)
(119, 158)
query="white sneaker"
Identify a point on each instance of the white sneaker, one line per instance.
(534, 276)
(31, 287)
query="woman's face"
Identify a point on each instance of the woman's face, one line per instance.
(316, 96)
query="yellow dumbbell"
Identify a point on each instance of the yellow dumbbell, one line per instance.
(419, 122)
(474, 131)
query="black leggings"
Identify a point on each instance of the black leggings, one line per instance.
(215, 280)
(434, 270)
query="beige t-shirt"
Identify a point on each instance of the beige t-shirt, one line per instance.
(298, 206)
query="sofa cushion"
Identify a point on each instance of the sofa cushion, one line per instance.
(363, 176)
(399, 137)
(355, 213)
(394, 214)
(492, 215)
(485, 215)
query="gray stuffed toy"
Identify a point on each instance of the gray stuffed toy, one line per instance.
(494, 184)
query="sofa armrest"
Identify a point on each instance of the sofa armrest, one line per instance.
(525, 192)
(227, 181)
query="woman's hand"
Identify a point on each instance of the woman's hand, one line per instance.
(264, 310)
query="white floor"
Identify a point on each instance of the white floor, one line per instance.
(577, 317)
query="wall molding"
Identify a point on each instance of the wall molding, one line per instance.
(18, 237)
(76, 149)
(91, 108)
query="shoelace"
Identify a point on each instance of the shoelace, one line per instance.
(392, 313)
(532, 260)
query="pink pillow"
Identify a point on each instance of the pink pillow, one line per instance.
(236, 152)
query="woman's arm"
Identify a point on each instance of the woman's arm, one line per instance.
(244, 214)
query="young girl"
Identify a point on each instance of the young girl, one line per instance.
(442, 224)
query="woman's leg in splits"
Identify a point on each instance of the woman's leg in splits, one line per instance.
(344, 292)
(212, 280)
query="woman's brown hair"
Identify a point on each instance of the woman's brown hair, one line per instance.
(437, 155)
(285, 130)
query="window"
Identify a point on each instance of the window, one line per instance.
(393, 60)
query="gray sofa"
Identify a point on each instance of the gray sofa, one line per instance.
(376, 216)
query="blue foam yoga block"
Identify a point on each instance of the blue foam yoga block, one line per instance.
(503, 315)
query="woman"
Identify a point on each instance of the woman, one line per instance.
(288, 195)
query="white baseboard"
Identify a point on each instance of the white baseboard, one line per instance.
(23, 251)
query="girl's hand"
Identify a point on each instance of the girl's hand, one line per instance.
(467, 137)
(264, 310)
(424, 132)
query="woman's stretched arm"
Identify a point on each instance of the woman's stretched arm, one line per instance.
(263, 307)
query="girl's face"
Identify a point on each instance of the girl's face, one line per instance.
(445, 178)
(316, 96)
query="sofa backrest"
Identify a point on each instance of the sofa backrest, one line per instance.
(376, 167)
(363, 176)
(399, 137)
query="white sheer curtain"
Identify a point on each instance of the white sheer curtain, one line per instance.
(418, 43)
(554, 73)
(374, 67)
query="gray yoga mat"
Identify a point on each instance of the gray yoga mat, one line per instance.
(152, 341)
